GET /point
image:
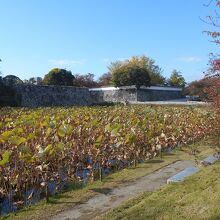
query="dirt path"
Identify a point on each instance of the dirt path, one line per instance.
(110, 198)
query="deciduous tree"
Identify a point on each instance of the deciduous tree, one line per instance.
(86, 80)
(155, 71)
(59, 77)
(11, 80)
(214, 63)
(131, 74)
(176, 79)
(105, 79)
(214, 69)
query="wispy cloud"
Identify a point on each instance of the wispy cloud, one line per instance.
(106, 60)
(122, 58)
(190, 59)
(63, 62)
(109, 60)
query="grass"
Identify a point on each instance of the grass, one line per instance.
(76, 195)
(198, 197)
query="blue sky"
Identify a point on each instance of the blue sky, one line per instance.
(86, 35)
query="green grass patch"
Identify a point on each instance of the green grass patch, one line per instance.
(198, 197)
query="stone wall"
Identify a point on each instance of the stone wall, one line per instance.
(144, 95)
(34, 96)
(131, 94)
(113, 95)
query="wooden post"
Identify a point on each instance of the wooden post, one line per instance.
(100, 173)
(47, 193)
(135, 163)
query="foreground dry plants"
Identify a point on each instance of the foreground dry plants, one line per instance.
(42, 149)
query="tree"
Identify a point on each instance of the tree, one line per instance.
(59, 77)
(86, 80)
(131, 74)
(198, 88)
(105, 79)
(176, 79)
(7, 94)
(35, 81)
(155, 72)
(213, 72)
(11, 80)
(1, 81)
(0, 72)
(213, 91)
(214, 62)
(32, 80)
(157, 78)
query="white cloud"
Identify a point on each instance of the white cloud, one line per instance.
(63, 62)
(122, 59)
(109, 60)
(106, 60)
(190, 59)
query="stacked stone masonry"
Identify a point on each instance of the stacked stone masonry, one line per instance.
(35, 95)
